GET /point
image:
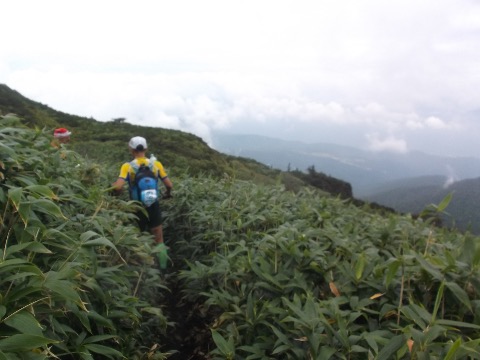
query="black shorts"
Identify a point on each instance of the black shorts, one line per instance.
(153, 219)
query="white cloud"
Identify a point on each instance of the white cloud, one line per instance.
(435, 123)
(371, 109)
(398, 68)
(414, 123)
(389, 143)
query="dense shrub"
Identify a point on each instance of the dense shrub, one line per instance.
(76, 279)
(277, 275)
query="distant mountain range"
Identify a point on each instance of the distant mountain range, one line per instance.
(415, 194)
(368, 172)
(407, 183)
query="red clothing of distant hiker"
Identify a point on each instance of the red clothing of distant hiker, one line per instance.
(60, 136)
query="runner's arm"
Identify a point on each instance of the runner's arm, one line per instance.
(162, 174)
(118, 184)
(168, 184)
(122, 178)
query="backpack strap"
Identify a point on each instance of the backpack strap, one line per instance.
(150, 164)
(135, 165)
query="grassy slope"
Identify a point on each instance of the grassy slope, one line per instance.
(105, 142)
(319, 241)
(180, 152)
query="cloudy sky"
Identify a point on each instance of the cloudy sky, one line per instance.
(394, 75)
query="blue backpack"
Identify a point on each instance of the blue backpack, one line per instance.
(145, 186)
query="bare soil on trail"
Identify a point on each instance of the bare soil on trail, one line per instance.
(190, 337)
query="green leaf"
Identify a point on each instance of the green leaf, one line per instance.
(444, 203)
(102, 241)
(25, 212)
(104, 350)
(392, 269)
(437, 301)
(47, 207)
(15, 195)
(88, 235)
(256, 353)
(326, 352)
(459, 293)
(33, 246)
(436, 274)
(23, 272)
(357, 348)
(24, 342)
(25, 323)
(410, 313)
(453, 350)
(42, 190)
(97, 338)
(282, 338)
(421, 312)
(64, 288)
(375, 338)
(7, 149)
(457, 324)
(7, 264)
(98, 319)
(392, 347)
(360, 266)
(85, 354)
(226, 347)
(153, 310)
(21, 292)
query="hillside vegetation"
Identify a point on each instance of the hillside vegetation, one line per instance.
(256, 271)
(180, 152)
(76, 278)
(414, 195)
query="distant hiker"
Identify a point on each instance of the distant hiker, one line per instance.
(60, 136)
(142, 176)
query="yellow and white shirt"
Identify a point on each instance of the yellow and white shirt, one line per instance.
(127, 172)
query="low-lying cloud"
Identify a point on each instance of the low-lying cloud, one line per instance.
(393, 76)
(198, 104)
(389, 143)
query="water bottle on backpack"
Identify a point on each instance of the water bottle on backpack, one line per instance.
(145, 187)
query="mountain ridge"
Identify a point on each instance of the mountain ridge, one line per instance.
(182, 152)
(365, 170)
(462, 211)
(179, 151)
